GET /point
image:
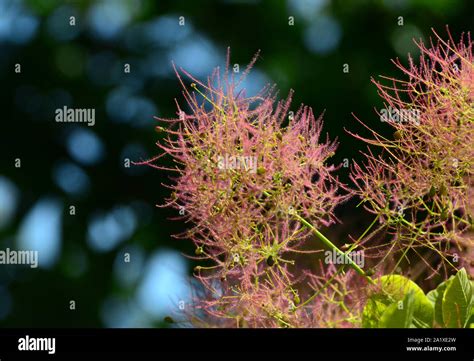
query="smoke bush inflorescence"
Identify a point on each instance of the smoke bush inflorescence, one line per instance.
(420, 187)
(253, 181)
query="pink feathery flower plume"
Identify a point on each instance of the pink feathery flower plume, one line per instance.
(247, 170)
(420, 187)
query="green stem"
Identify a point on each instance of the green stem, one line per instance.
(321, 289)
(365, 232)
(332, 246)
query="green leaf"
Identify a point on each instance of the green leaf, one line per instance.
(457, 301)
(399, 314)
(392, 289)
(436, 298)
(373, 311)
(398, 286)
(471, 319)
